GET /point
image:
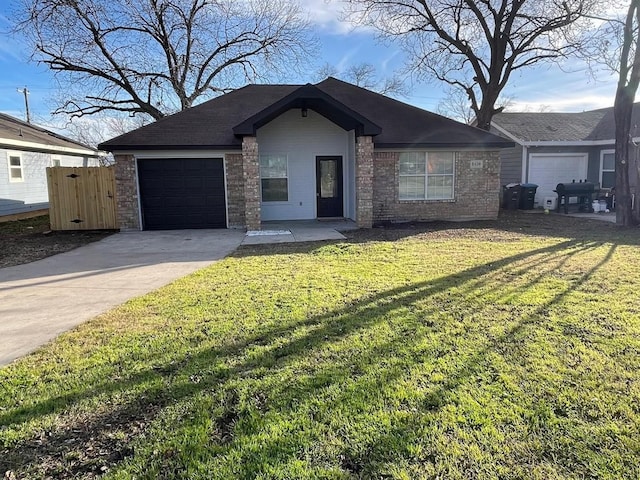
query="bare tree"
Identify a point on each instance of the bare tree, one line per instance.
(476, 45)
(160, 56)
(94, 130)
(628, 81)
(364, 75)
(456, 105)
(615, 47)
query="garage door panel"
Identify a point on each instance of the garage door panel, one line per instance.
(182, 193)
(214, 199)
(547, 171)
(153, 201)
(196, 183)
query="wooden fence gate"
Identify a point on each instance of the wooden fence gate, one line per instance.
(82, 198)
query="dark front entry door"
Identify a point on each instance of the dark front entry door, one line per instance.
(329, 186)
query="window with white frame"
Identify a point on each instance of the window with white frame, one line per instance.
(274, 181)
(426, 175)
(607, 169)
(16, 172)
(55, 161)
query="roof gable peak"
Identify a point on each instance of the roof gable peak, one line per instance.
(309, 96)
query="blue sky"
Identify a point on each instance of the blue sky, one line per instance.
(571, 88)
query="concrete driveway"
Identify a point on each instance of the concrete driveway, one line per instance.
(42, 299)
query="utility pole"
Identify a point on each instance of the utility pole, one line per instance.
(25, 91)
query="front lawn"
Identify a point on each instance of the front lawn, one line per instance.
(506, 349)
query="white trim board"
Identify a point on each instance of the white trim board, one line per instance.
(48, 148)
(160, 154)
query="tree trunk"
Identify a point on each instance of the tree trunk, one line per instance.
(634, 179)
(622, 114)
(483, 119)
(487, 108)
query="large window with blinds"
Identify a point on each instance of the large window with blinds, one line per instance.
(427, 175)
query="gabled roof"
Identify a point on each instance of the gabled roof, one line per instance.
(19, 135)
(211, 124)
(579, 127)
(606, 128)
(404, 125)
(309, 96)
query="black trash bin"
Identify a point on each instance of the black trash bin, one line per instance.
(527, 195)
(511, 196)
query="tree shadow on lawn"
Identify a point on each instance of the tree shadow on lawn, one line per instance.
(113, 432)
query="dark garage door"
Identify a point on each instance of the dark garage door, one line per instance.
(182, 193)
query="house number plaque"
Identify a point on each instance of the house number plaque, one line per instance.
(476, 163)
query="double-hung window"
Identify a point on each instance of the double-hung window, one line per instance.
(16, 171)
(607, 169)
(427, 175)
(274, 181)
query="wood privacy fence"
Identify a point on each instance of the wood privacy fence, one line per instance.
(82, 198)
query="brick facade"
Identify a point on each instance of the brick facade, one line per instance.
(251, 176)
(364, 181)
(235, 190)
(476, 194)
(476, 190)
(127, 193)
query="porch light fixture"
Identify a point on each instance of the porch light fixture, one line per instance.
(304, 112)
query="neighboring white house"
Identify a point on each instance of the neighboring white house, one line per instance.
(26, 151)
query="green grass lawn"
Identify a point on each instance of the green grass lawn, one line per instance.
(506, 349)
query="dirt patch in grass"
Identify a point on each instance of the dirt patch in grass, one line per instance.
(24, 241)
(510, 226)
(89, 446)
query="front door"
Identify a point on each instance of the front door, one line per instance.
(329, 186)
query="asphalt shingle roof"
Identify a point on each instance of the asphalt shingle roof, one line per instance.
(210, 124)
(531, 126)
(606, 128)
(15, 129)
(573, 127)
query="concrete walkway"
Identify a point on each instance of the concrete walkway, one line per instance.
(602, 216)
(299, 231)
(42, 299)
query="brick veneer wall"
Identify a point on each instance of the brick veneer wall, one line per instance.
(127, 193)
(476, 194)
(251, 177)
(235, 190)
(364, 181)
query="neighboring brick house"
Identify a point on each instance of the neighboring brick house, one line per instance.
(26, 151)
(296, 152)
(558, 147)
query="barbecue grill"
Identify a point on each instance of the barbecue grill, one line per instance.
(582, 191)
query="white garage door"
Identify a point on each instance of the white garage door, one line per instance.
(547, 171)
